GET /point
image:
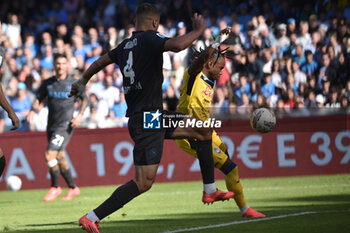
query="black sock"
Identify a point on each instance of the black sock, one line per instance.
(54, 177)
(67, 175)
(2, 164)
(118, 199)
(205, 156)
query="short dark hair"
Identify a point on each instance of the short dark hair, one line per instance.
(308, 52)
(251, 50)
(59, 55)
(146, 9)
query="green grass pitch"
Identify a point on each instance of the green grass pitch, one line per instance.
(301, 204)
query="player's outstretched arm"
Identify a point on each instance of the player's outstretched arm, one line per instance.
(203, 56)
(181, 42)
(3, 101)
(78, 87)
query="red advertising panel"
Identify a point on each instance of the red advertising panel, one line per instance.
(297, 146)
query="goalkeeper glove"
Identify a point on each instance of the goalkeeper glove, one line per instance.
(221, 38)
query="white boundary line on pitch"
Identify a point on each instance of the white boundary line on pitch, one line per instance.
(247, 189)
(251, 220)
(268, 188)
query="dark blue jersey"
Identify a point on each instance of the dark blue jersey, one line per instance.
(61, 107)
(140, 59)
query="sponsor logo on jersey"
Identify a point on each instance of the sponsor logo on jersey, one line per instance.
(208, 92)
(217, 150)
(59, 94)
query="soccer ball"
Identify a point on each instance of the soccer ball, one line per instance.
(262, 120)
(14, 183)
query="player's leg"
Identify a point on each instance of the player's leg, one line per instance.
(233, 184)
(222, 162)
(52, 163)
(147, 154)
(144, 178)
(2, 162)
(230, 169)
(60, 142)
(66, 173)
(205, 156)
(121, 196)
(51, 154)
(65, 169)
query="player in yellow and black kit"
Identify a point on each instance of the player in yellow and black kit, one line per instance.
(196, 97)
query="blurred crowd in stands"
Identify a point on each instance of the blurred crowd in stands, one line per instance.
(290, 56)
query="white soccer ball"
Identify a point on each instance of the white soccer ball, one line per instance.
(262, 120)
(14, 183)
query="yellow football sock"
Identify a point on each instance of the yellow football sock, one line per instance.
(233, 184)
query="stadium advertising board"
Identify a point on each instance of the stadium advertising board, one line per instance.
(300, 146)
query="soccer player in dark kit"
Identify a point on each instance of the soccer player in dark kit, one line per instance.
(60, 125)
(140, 60)
(5, 105)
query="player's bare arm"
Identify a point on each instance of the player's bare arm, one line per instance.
(79, 86)
(181, 42)
(5, 105)
(3, 101)
(76, 121)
